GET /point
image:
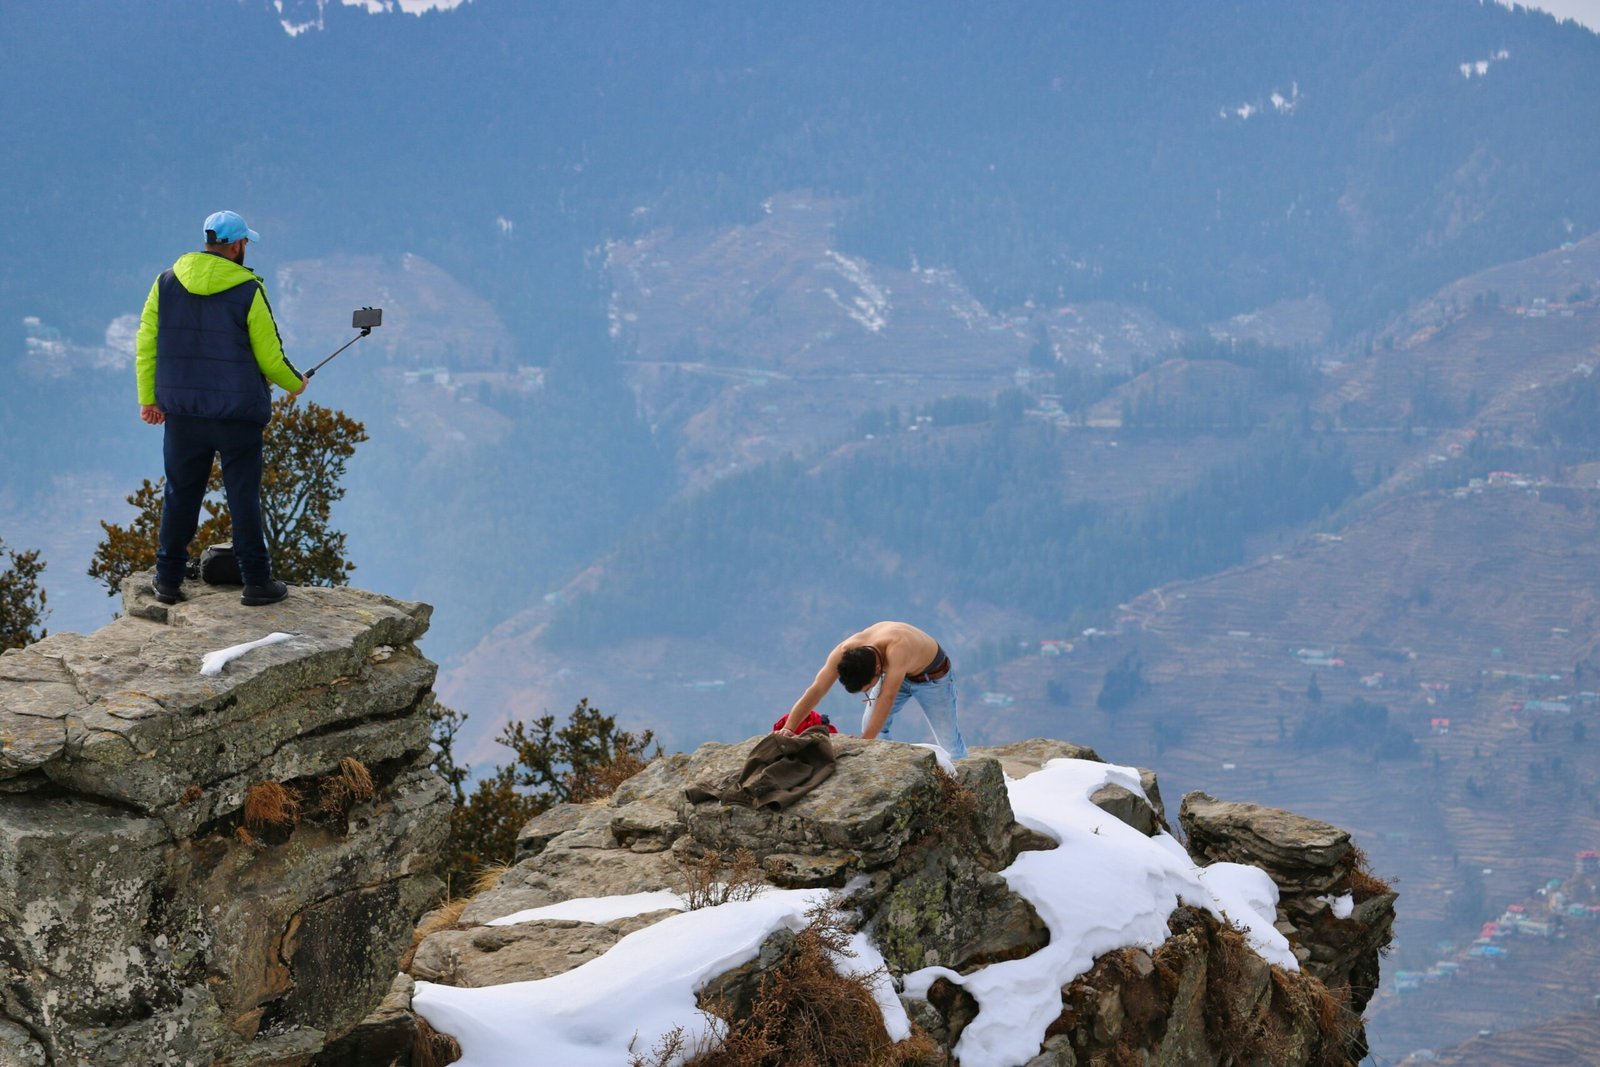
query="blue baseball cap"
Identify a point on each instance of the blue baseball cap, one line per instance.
(228, 227)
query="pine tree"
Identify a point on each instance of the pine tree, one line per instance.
(304, 453)
(584, 760)
(22, 601)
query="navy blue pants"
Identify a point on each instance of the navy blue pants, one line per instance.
(187, 449)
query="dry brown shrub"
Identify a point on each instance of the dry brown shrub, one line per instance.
(805, 1013)
(431, 1048)
(712, 882)
(602, 781)
(271, 804)
(671, 1047)
(191, 794)
(956, 808)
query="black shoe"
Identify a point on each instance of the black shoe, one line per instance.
(270, 592)
(167, 592)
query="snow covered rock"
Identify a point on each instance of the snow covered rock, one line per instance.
(1315, 867)
(142, 921)
(1032, 908)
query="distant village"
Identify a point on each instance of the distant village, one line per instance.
(1560, 907)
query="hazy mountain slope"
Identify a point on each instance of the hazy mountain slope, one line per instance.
(1211, 159)
(1201, 162)
(1567, 1039)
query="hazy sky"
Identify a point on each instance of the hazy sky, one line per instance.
(1586, 12)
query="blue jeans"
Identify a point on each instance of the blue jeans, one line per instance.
(187, 448)
(937, 699)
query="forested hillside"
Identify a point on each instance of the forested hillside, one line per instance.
(988, 514)
(1202, 160)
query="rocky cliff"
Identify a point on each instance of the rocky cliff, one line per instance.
(224, 865)
(925, 862)
(224, 868)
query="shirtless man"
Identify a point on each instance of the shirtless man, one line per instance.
(903, 662)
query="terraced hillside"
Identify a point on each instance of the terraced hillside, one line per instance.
(1559, 1042)
(1473, 618)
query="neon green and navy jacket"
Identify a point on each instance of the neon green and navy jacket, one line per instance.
(207, 342)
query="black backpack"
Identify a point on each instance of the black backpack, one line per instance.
(219, 567)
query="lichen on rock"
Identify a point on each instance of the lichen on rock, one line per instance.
(141, 922)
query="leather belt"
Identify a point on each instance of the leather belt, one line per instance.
(934, 671)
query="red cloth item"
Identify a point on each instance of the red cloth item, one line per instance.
(811, 719)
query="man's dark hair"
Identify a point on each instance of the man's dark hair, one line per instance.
(857, 667)
(212, 239)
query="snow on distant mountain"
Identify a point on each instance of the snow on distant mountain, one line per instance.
(298, 16)
(1480, 67)
(1281, 104)
(48, 353)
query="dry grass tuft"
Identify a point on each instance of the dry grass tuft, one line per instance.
(712, 882)
(1364, 885)
(271, 804)
(357, 777)
(447, 916)
(1338, 1028)
(487, 877)
(343, 789)
(444, 917)
(918, 1050)
(1228, 1024)
(333, 796)
(433, 1049)
(191, 794)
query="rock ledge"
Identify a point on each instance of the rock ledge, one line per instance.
(142, 921)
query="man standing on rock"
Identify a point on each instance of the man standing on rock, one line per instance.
(207, 348)
(902, 662)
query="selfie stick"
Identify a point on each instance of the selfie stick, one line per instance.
(366, 329)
